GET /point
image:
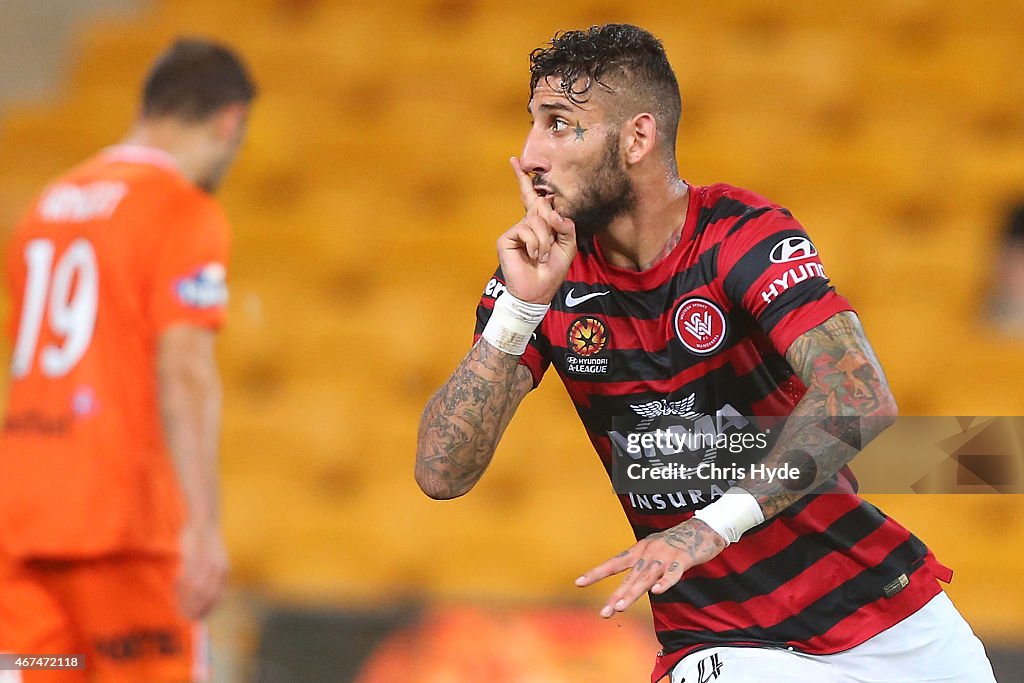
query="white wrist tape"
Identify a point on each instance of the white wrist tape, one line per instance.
(512, 323)
(733, 514)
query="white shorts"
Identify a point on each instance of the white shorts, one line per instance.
(934, 644)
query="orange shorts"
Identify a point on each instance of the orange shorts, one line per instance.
(121, 613)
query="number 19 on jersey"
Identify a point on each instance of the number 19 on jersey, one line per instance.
(61, 292)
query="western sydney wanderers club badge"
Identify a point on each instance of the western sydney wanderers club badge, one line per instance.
(700, 325)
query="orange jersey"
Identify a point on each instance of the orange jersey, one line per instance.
(109, 256)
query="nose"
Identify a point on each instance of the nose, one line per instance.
(536, 159)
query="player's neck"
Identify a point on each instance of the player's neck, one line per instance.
(643, 236)
(185, 144)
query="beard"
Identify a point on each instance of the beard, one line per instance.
(606, 196)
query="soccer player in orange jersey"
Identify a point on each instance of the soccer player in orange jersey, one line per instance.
(110, 540)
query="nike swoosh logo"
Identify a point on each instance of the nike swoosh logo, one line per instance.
(571, 301)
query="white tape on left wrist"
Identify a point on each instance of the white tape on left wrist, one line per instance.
(732, 515)
(512, 323)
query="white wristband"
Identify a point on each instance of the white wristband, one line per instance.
(512, 323)
(731, 515)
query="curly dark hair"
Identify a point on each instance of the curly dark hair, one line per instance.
(618, 58)
(193, 79)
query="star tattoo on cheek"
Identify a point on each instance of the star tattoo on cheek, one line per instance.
(579, 130)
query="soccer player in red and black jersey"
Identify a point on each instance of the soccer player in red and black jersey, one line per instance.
(654, 297)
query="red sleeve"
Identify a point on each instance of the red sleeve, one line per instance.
(770, 268)
(190, 273)
(537, 356)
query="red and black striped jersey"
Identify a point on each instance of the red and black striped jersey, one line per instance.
(705, 330)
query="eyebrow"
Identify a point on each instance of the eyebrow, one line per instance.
(551, 106)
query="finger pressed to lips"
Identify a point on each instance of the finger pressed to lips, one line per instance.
(526, 190)
(531, 187)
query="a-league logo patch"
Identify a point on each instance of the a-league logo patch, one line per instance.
(587, 340)
(587, 336)
(207, 287)
(700, 325)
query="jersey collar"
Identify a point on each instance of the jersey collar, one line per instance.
(141, 154)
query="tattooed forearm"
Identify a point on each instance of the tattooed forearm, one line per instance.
(463, 421)
(836, 358)
(847, 404)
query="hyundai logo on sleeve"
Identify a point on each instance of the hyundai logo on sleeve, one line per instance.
(792, 249)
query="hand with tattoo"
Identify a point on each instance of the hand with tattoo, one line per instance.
(656, 563)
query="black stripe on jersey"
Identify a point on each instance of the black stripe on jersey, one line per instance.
(821, 615)
(808, 291)
(741, 391)
(726, 207)
(751, 266)
(643, 304)
(756, 213)
(770, 573)
(639, 365)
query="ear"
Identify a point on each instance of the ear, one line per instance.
(639, 136)
(230, 120)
